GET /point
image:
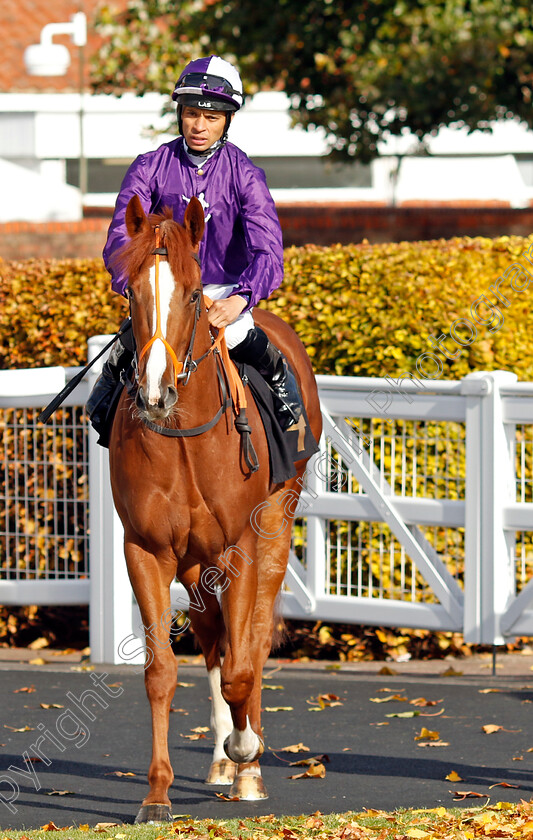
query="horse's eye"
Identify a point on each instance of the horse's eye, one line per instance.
(195, 295)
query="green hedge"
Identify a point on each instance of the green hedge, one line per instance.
(364, 310)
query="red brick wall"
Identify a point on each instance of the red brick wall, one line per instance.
(26, 240)
(301, 224)
(347, 223)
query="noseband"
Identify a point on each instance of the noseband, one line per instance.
(182, 370)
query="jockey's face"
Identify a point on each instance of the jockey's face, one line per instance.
(202, 128)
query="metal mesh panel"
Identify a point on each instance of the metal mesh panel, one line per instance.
(423, 459)
(524, 493)
(44, 495)
(365, 559)
(418, 458)
(524, 463)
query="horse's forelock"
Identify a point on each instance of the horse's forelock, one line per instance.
(173, 237)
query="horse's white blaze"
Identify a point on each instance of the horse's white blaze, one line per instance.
(157, 355)
(244, 745)
(221, 721)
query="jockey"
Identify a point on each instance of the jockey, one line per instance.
(241, 253)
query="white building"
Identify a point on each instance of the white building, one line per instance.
(43, 120)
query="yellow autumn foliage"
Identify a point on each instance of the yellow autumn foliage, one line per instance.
(363, 310)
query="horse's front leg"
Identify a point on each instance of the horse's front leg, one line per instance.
(208, 628)
(237, 675)
(151, 578)
(271, 562)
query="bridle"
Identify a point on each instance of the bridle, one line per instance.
(182, 370)
(231, 386)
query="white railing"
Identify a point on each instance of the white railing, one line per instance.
(417, 512)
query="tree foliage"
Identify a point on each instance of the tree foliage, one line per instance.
(360, 70)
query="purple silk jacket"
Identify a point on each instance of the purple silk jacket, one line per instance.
(242, 244)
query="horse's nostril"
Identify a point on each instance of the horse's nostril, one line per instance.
(140, 400)
(171, 397)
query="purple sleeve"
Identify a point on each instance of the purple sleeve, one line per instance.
(136, 182)
(262, 232)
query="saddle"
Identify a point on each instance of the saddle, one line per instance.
(285, 448)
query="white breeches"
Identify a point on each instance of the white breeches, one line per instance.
(238, 330)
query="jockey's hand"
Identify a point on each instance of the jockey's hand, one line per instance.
(224, 312)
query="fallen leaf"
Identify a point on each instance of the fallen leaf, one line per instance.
(388, 699)
(504, 784)
(433, 744)
(315, 771)
(227, 798)
(104, 825)
(119, 773)
(294, 748)
(200, 729)
(185, 684)
(421, 701)
(322, 701)
(403, 714)
(489, 690)
(450, 672)
(417, 833)
(51, 827)
(273, 687)
(29, 689)
(489, 728)
(34, 759)
(38, 661)
(194, 737)
(308, 762)
(51, 706)
(39, 644)
(454, 777)
(278, 709)
(387, 672)
(22, 729)
(181, 711)
(60, 793)
(428, 734)
(459, 795)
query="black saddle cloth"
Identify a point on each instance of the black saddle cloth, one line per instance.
(285, 448)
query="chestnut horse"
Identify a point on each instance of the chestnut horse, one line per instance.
(190, 503)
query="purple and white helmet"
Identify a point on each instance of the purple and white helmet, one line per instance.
(209, 83)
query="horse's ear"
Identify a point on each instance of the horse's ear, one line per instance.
(135, 216)
(194, 220)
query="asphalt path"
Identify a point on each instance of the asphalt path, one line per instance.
(374, 761)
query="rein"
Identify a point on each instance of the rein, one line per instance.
(227, 373)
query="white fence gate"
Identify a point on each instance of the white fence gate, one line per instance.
(417, 512)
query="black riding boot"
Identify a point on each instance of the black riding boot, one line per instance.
(258, 351)
(101, 403)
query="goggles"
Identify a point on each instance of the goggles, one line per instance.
(204, 81)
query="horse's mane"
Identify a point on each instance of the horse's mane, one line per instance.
(173, 236)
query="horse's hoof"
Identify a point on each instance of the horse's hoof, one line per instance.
(249, 788)
(154, 812)
(221, 772)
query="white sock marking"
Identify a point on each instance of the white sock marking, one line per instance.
(221, 721)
